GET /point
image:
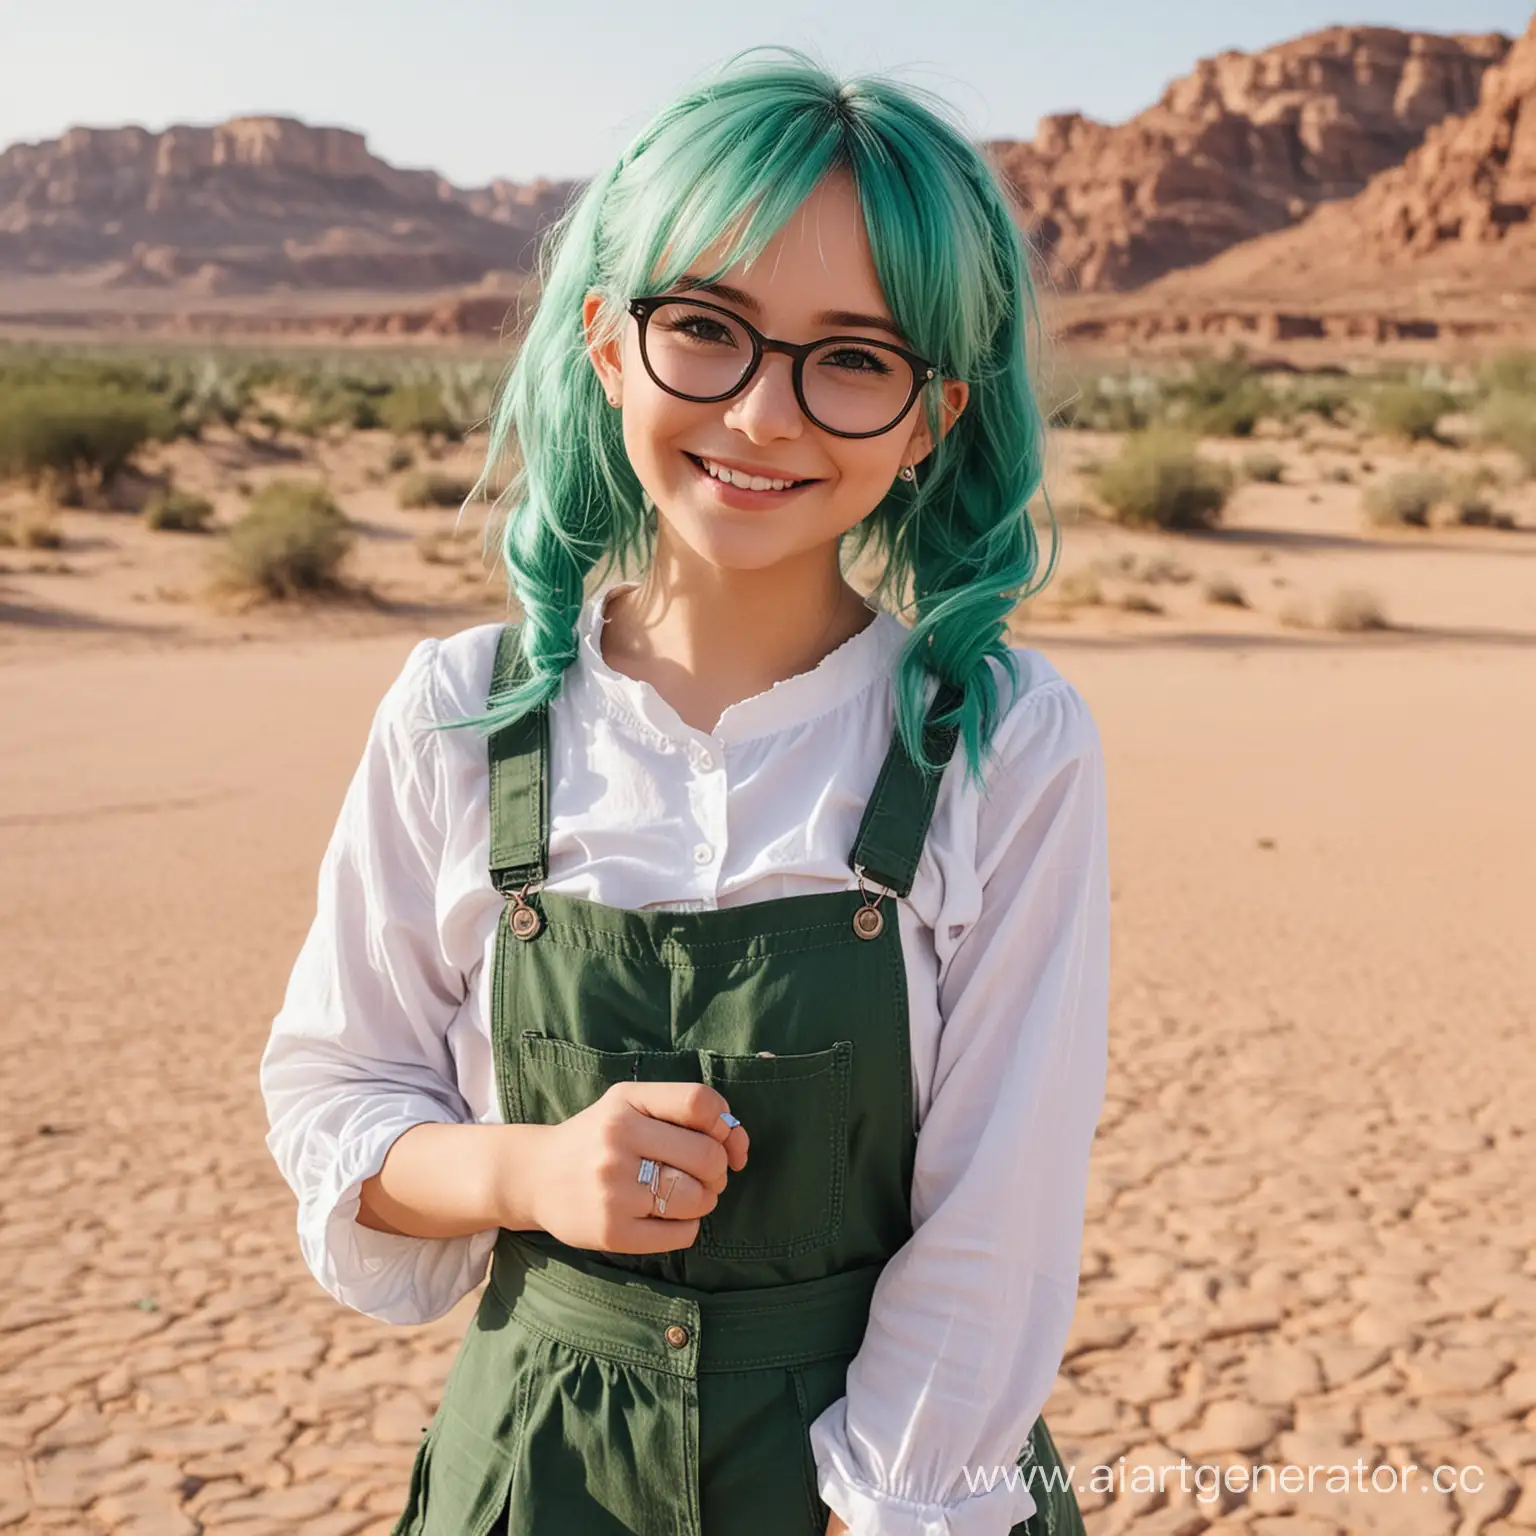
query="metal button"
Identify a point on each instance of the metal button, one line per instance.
(677, 1335)
(703, 853)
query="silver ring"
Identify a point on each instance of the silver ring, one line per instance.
(661, 1200)
(648, 1172)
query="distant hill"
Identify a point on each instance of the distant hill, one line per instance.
(1460, 210)
(1246, 144)
(256, 204)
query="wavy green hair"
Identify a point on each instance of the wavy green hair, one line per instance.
(739, 153)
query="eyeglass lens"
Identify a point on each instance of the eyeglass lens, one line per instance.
(850, 386)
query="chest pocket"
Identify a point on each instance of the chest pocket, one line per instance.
(788, 1200)
(559, 1078)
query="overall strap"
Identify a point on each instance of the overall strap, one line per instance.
(519, 755)
(895, 823)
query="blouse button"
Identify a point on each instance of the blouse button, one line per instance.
(677, 1336)
(703, 853)
(705, 760)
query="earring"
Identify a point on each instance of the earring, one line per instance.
(908, 473)
(613, 399)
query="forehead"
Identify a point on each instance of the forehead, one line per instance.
(820, 258)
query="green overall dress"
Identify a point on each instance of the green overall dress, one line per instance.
(670, 1394)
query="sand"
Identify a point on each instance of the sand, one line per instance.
(1312, 1225)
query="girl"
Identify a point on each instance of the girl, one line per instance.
(739, 994)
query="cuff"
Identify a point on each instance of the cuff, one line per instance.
(384, 1275)
(1000, 1501)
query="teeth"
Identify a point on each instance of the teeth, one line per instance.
(746, 482)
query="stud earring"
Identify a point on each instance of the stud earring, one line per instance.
(908, 473)
(613, 399)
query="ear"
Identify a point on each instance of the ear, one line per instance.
(607, 356)
(954, 393)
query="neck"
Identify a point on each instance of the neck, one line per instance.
(706, 638)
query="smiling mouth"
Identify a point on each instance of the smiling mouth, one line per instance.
(793, 485)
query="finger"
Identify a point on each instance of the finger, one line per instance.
(701, 1156)
(686, 1198)
(696, 1106)
(647, 1234)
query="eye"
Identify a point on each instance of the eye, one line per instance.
(855, 360)
(701, 328)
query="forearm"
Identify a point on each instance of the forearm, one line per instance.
(451, 1180)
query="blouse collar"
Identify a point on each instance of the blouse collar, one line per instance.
(843, 673)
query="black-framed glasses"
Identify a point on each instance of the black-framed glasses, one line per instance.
(849, 386)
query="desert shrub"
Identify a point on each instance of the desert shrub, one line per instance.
(1223, 590)
(1140, 602)
(1512, 373)
(1108, 403)
(1408, 410)
(1469, 495)
(1353, 610)
(1325, 398)
(400, 459)
(293, 539)
(1159, 479)
(417, 408)
(1079, 589)
(1404, 500)
(1340, 474)
(54, 434)
(1509, 421)
(33, 530)
(178, 512)
(1268, 468)
(1221, 398)
(344, 403)
(433, 488)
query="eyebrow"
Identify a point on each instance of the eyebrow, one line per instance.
(745, 301)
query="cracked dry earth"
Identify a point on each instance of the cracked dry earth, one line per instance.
(1312, 1231)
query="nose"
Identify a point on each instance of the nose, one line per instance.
(767, 409)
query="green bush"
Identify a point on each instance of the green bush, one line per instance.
(1222, 590)
(1405, 500)
(432, 488)
(1159, 479)
(1326, 398)
(1409, 410)
(1513, 373)
(1509, 420)
(293, 539)
(344, 404)
(1268, 468)
(417, 408)
(57, 433)
(178, 512)
(1354, 610)
(1221, 398)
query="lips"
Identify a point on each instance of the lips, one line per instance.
(793, 485)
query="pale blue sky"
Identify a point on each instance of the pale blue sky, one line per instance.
(477, 90)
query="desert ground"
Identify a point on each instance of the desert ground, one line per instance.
(1312, 1228)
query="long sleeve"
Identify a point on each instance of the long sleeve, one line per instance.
(358, 1053)
(970, 1317)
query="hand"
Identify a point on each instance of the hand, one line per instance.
(835, 1526)
(589, 1192)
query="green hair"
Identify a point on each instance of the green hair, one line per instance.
(738, 154)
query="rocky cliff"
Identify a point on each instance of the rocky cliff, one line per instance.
(254, 204)
(1246, 144)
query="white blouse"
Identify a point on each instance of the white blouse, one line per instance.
(386, 1020)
